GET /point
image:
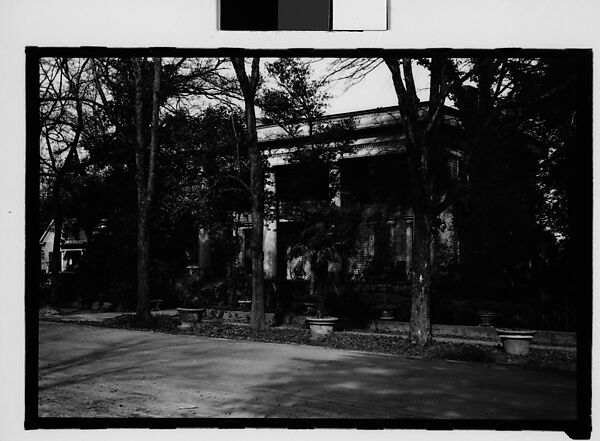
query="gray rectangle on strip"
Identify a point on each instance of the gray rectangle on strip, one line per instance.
(303, 15)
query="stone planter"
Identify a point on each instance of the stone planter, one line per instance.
(386, 315)
(516, 341)
(320, 328)
(214, 315)
(309, 307)
(485, 317)
(246, 305)
(190, 317)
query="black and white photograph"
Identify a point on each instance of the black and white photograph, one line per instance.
(249, 234)
(333, 237)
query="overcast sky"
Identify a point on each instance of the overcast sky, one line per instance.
(376, 90)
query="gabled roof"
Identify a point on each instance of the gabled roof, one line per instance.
(49, 228)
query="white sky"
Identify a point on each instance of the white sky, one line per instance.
(375, 90)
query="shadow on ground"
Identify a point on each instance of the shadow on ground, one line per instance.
(359, 386)
(87, 371)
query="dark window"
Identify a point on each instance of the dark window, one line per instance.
(296, 183)
(375, 179)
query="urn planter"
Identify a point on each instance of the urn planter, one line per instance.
(515, 341)
(485, 317)
(190, 317)
(321, 327)
(309, 307)
(386, 315)
(246, 305)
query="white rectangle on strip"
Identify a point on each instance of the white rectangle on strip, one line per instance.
(359, 15)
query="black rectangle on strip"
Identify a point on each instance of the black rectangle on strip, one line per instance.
(304, 15)
(248, 15)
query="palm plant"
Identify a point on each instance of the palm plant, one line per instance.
(328, 234)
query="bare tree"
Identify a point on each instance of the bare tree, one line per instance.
(66, 96)
(248, 86)
(420, 123)
(145, 161)
(483, 90)
(419, 164)
(182, 83)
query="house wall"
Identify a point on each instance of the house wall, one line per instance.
(71, 244)
(373, 180)
(382, 247)
(376, 189)
(45, 250)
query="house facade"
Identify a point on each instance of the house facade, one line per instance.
(72, 248)
(370, 177)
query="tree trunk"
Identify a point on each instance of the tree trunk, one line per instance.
(420, 320)
(418, 151)
(257, 185)
(145, 164)
(257, 315)
(257, 188)
(143, 265)
(55, 262)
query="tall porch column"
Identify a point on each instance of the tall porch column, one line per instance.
(203, 252)
(409, 235)
(270, 231)
(334, 184)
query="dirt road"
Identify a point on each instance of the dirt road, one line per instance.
(97, 372)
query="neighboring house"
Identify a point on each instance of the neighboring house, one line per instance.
(72, 248)
(373, 179)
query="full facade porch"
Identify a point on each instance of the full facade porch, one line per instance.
(369, 180)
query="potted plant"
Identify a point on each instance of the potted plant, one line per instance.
(485, 317)
(245, 304)
(386, 315)
(326, 235)
(321, 325)
(189, 310)
(516, 339)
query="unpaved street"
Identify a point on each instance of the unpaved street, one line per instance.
(97, 372)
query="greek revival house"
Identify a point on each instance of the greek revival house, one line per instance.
(370, 176)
